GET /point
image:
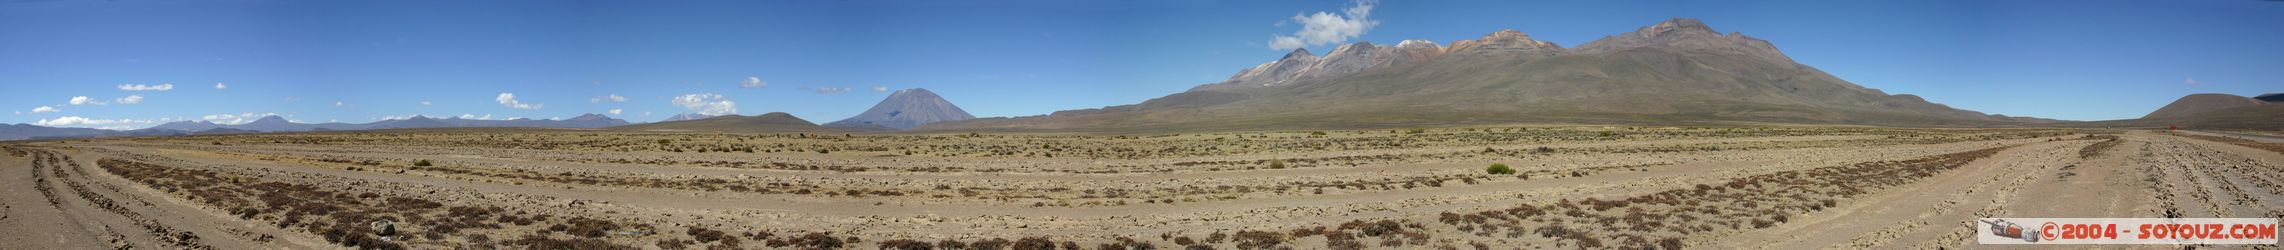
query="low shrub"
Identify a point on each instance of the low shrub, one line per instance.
(1499, 168)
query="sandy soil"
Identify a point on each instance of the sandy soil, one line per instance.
(1590, 187)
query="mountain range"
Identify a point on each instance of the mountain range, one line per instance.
(773, 122)
(686, 117)
(1679, 71)
(280, 124)
(905, 109)
(1676, 72)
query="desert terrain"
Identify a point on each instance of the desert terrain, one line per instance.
(1570, 187)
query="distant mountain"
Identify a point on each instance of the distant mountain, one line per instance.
(773, 122)
(28, 131)
(2200, 103)
(906, 109)
(189, 126)
(280, 124)
(224, 131)
(2262, 117)
(2270, 97)
(1679, 71)
(686, 117)
(581, 121)
(275, 124)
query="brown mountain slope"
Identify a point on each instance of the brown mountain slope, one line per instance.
(773, 122)
(2260, 117)
(1676, 72)
(2200, 103)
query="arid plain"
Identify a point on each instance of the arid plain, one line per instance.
(1571, 187)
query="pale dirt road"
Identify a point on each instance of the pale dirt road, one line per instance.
(2145, 176)
(82, 207)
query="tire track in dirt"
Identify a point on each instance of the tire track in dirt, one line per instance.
(2248, 180)
(44, 171)
(1895, 212)
(168, 235)
(1933, 227)
(2005, 197)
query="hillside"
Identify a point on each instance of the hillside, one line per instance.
(1680, 71)
(773, 122)
(2199, 103)
(2204, 112)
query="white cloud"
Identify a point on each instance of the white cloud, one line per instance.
(220, 86)
(131, 99)
(83, 100)
(707, 104)
(339, 103)
(508, 99)
(646, 114)
(71, 120)
(140, 87)
(611, 97)
(1328, 28)
(293, 98)
(43, 109)
(753, 82)
(829, 90)
(239, 118)
(615, 111)
(474, 117)
(882, 89)
(426, 103)
(2190, 81)
(75, 121)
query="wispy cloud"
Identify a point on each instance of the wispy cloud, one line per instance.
(882, 89)
(239, 118)
(753, 82)
(83, 100)
(1328, 28)
(220, 86)
(2190, 81)
(828, 90)
(508, 99)
(610, 97)
(426, 103)
(131, 99)
(614, 111)
(76, 121)
(44, 109)
(707, 104)
(140, 87)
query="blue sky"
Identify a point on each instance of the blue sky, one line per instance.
(358, 61)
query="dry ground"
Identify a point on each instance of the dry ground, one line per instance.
(1577, 187)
